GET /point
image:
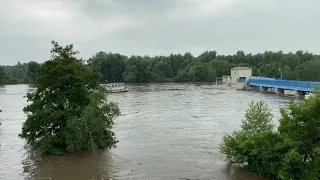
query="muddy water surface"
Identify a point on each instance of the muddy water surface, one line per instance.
(166, 131)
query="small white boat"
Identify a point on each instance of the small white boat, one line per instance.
(115, 87)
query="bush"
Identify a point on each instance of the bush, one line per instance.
(289, 154)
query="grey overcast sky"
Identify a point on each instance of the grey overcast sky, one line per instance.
(156, 27)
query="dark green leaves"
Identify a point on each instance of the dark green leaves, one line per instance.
(68, 111)
(289, 154)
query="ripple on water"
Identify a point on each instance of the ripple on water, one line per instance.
(166, 131)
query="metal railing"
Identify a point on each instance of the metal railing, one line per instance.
(284, 84)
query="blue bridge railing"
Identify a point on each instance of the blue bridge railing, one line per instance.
(284, 84)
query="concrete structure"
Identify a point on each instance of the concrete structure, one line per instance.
(219, 80)
(240, 76)
(283, 87)
(226, 80)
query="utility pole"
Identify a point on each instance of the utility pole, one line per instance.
(280, 69)
(259, 72)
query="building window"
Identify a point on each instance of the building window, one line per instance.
(242, 79)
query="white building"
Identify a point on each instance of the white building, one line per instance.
(240, 76)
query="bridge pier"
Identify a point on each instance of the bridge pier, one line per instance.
(263, 89)
(282, 87)
(299, 93)
(279, 91)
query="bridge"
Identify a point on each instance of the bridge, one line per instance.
(279, 85)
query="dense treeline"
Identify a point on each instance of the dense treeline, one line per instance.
(185, 67)
(19, 73)
(206, 67)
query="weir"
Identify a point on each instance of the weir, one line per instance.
(241, 78)
(279, 86)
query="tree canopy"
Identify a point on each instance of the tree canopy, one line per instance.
(292, 152)
(115, 67)
(68, 111)
(206, 67)
(2, 76)
(19, 73)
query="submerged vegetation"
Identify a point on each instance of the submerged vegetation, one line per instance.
(292, 152)
(68, 111)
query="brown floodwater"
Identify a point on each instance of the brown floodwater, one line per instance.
(166, 131)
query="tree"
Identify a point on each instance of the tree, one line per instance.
(32, 71)
(2, 76)
(293, 152)
(287, 73)
(115, 67)
(301, 124)
(68, 111)
(198, 73)
(212, 74)
(111, 66)
(308, 71)
(256, 146)
(258, 118)
(207, 56)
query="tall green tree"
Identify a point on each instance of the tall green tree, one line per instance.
(32, 71)
(68, 111)
(2, 76)
(256, 146)
(287, 73)
(293, 152)
(207, 56)
(258, 118)
(111, 66)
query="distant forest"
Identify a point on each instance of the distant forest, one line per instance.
(206, 67)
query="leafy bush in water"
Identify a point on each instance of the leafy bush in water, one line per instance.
(68, 111)
(292, 152)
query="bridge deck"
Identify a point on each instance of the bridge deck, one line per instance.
(306, 86)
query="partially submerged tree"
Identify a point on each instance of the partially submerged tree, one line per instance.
(289, 154)
(68, 111)
(258, 118)
(301, 123)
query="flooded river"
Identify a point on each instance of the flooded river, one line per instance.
(166, 131)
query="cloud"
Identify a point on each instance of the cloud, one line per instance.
(156, 27)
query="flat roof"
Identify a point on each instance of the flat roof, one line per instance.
(241, 68)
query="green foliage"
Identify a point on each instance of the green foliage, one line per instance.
(92, 130)
(258, 118)
(19, 74)
(68, 111)
(115, 67)
(287, 73)
(32, 71)
(208, 65)
(12, 81)
(111, 66)
(2, 76)
(293, 152)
